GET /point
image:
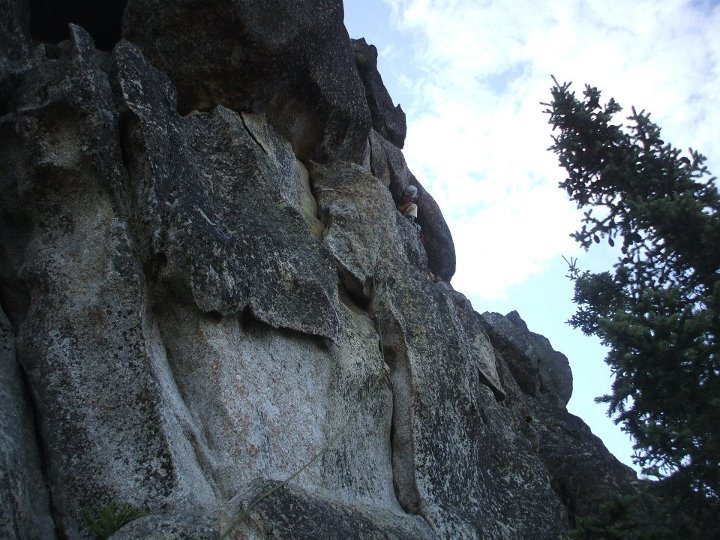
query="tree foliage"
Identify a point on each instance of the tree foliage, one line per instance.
(658, 308)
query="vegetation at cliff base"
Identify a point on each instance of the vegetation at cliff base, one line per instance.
(105, 520)
(658, 308)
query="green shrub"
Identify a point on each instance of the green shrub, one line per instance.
(103, 521)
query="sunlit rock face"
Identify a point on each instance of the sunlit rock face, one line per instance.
(206, 289)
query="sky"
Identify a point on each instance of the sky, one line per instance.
(470, 76)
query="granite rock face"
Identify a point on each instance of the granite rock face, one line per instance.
(539, 384)
(206, 289)
(290, 60)
(388, 165)
(24, 504)
(387, 119)
(538, 369)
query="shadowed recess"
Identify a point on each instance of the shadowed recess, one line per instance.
(49, 20)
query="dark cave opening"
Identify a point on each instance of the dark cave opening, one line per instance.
(49, 20)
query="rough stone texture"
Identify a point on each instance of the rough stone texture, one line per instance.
(218, 201)
(291, 60)
(388, 164)
(83, 337)
(14, 42)
(387, 119)
(536, 366)
(24, 505)
(539, 384)
(198, 310)
(439, 450)
(176, 527)
(288, 512)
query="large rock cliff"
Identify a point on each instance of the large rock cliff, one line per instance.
(206, 289)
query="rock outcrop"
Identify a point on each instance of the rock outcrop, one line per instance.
(289, 60)
(387, 119)
(206, 289)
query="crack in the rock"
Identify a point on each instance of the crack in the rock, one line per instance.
(402, 437)
(252, 135)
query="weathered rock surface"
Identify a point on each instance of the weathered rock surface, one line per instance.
(387, 119)
(535, 365)
(388, 164)
(288, 512)
(290, 60)
(207, 294)
(210, 190)
(539, 384)
(24, 505)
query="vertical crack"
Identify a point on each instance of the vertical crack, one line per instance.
(252, 135)
(402, 436)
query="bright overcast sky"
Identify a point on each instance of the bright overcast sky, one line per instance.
(470, 75)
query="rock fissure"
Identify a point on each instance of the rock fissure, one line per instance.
(252, 135)
(499, 395)
(166, 368)
(402, 435)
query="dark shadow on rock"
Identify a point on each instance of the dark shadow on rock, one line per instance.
(49, 20)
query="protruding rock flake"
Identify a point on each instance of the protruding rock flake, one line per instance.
(206, 289)
(387, 119)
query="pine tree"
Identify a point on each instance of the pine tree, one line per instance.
(658, 308)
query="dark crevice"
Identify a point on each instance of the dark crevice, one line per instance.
(250, 132)
(215, 316)
(49, 20)
(402, 436)
(351, 292)
(5, 95)
(248, 321)
(370, 154)
(253, 323)
(499, 395)
(132, 155)
(194, 433)
(14, 294)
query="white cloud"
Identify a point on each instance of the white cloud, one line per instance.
(476, 135)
